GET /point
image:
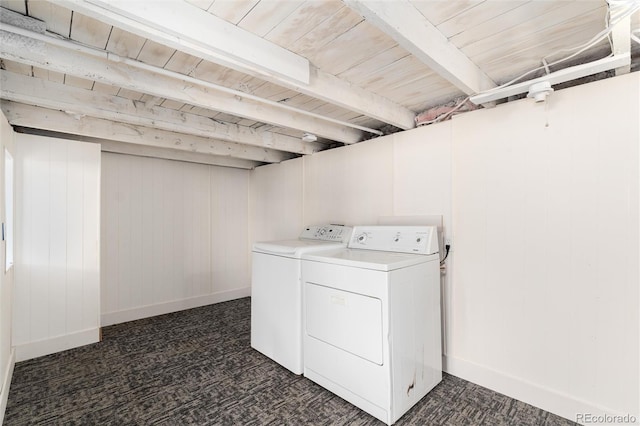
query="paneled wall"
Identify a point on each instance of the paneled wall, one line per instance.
(276, 210)
(7, 358)
(540, 202)
(353, 185)
(405, 174)
(175, 236)
(229, 189)
(57, 270)
(546, 225)
(422, 173)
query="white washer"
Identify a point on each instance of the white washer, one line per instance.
(276, 292)
(371, 318)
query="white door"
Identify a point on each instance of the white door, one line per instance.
(346, 320)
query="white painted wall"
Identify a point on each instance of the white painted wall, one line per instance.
(276, 210)
(422, 172)
(57, 270)
(175, 236)
(546, 225)
(7, 358)
(537, 303)
(422, 187)
(353, 185)
(405, 174)
(229, 235)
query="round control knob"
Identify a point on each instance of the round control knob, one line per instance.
(361, 238)
(418, 239)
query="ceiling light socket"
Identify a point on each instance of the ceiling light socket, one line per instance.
(309, 137)
(540, 91)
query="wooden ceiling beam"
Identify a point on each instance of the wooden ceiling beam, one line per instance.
(172, 154)
(80, 61)
(189, 29)
(410, 29)
(48, 94)
(148, 151)
(58, 121)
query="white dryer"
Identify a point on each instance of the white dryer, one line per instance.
(371, 318)
(276, 292)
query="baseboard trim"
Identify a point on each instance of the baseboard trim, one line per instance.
(118, 317)
(56, 344)
(558, 403)
(6, 384)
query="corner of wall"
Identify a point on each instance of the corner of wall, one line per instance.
(552, 400)
(7, 353)
(6, 385)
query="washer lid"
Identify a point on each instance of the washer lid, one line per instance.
(294, 248)
(370, 259)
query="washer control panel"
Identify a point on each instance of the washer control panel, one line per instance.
(338, 233)
(401, 239)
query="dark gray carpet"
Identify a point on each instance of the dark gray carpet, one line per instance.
(196, 367)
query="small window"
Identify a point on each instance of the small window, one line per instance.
(8, 207)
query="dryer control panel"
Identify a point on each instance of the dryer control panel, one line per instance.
(337, 233)
(400, 239)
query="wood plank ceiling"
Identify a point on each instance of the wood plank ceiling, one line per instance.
(240, 82)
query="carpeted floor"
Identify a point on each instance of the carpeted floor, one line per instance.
(196, 367)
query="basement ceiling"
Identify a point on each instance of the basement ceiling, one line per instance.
(240, 83)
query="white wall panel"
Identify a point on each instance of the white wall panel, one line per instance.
(201, 256)
(7, 358)
(146, 226)
(75, 244)
(109, 223)
(57, 250)
(352, 185)
(32, 176)
(276, 201)
(57, 253)
(178, 236)
(229, 230)
(422, 172)
(546, 222)
(91, 233)
(422, 187)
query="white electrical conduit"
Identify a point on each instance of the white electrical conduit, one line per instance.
(103, 54)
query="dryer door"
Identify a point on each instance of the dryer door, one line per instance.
(349, 321)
